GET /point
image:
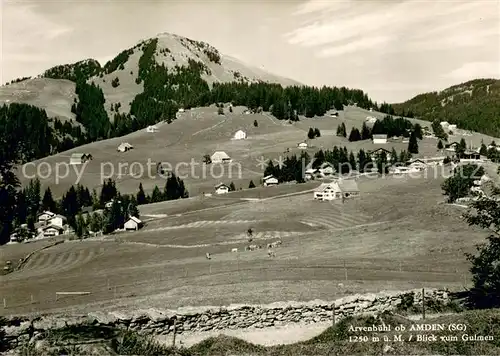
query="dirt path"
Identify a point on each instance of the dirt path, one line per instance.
(287, 334)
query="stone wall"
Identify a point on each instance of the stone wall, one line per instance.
(158, 322)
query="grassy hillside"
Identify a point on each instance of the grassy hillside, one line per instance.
(473, 105)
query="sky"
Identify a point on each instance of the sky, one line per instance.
(393, 49)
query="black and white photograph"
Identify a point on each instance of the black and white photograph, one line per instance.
(249, 177)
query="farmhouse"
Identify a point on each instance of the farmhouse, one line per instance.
(417, 164)
(58, 220)
(342, 188)
(451, 146)
(221, 188)
(302, 146)
(269, 180)
(124, 147)
(45, 217)
(311, 173)
(374, 154)
(79, 158)
(152, 129)
(240, 135)
(220, 157)
(380, 139)
(52, 230)
(133, 224)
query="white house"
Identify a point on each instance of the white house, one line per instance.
(342, 188)
(452, 128)
(371, 119)
(79, 158)
(124, 147)
(58, 220)
(52, 230)
(45, 216)
(270, 180)
(221, 188)
(302, 146)
(374, 154)
(311, 173)
(152, 129)
(133, 224)
(451, 146)
(240, 135)
(417, 165)
(181, 110)
(220, 157)
(380, 139)
(327, 191)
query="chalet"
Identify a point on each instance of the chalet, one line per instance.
(79, 158)
(470, 156)
(151, 129)
(380, 139)
(46, 216)
(181, 110)
(220, 157)
(124, 147)
(451, 146)
(311, 173)
(327, 191)
(240, 135)
(339, 189)
(302, 145)
(371, 119)
(417, 164)
(269, 181)
(374, 154)
(404, 169)
(221, 188)
(58, 220)
(133, 224)
(52, 230)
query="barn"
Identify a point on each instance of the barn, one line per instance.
(220, 157)
(380, 139)
(240, 135)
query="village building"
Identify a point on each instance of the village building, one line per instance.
(338, 189)
(220, 157)
(124, 147)
(269, 181)
(370, 120)
(451, 146)
(302, 145)
(380, 139)
(79, 158)
(58, 220)
(181, 110)
(221, 188)
(45, 217)
(152, 129)
(240, 135)
(417, 164)
(133, 224)
(52, 230)
(326, 170)
(374, 154)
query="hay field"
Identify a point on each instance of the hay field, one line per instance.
(387, 239)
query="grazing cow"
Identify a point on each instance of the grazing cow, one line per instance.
(271, 253)
(252, 247)
(234, 250)
(209, 257)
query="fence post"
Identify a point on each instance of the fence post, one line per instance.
(4, 303)
(175, 330)
(333, 314)
(423, 303)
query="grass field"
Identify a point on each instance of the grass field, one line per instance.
(387, 239)
(201, 131)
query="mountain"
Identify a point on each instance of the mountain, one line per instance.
(473, 105)
(73, 104)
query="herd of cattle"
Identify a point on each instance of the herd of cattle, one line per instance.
(270, 247)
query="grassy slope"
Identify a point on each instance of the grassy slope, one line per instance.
(54, 95)
(473, 105)
(201, 131)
